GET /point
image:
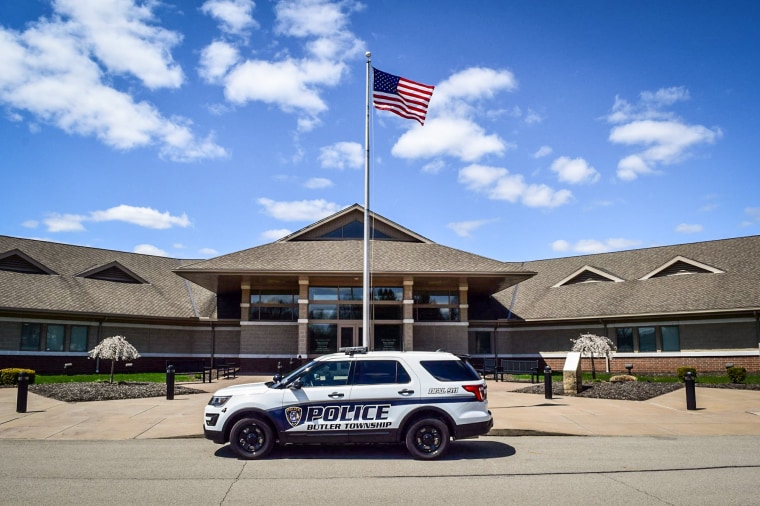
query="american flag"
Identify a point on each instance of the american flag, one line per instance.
(401, 96)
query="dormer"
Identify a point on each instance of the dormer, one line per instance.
(114, 272)
(680, 266)
(588, 274)
(18, 261)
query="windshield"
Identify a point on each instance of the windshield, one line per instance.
(292, 375)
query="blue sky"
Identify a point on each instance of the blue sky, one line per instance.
(192, 129)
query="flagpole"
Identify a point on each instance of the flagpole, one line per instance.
(365, 278)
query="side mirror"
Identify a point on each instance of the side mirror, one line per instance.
(297, 384)
(277, 377)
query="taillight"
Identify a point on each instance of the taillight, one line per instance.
(480, 391)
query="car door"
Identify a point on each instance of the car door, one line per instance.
(383, 392)
(312, 405)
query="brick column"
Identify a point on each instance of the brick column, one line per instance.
(464, 306)
(408, 314)
(245, 299)
(303, 315)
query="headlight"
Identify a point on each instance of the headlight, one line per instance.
(219, 400)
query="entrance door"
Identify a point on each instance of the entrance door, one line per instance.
(350, 335)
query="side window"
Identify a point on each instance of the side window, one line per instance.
(327, 374)
(380, 372)
(450, 370)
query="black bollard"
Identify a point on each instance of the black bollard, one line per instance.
(23, 392)
(170, 383)
(691, 396)
(547, 382)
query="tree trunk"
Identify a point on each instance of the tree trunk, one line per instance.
(593, 368)
(112, 364)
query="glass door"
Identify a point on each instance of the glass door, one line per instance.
(350, 335)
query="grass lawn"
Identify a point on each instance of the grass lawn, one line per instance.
(142, 377)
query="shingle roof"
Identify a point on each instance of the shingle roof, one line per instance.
(165, 295)
(738, 287)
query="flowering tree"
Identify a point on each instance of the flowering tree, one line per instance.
(114, 349)
(590, 345)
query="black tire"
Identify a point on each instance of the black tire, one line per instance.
(427, 439)
(251, 438)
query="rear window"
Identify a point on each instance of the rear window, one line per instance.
(450, 370)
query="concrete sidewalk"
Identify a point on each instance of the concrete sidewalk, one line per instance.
(719, 412)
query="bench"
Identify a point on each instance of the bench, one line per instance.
(191, 367)
(489, 367)
(511, 366)
(228, 369)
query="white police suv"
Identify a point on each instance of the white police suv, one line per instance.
(423, 399)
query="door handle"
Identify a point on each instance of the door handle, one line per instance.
(406, 391)
(336, 395)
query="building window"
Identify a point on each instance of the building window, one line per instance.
(30, 336)
(483, 343)
(439, 305)
(346, 303)
(274, 305)
(671, 340)
(323, 338)
(78, 339)
(387, 338)
(54, 337)
(624, 339)
(647, 339)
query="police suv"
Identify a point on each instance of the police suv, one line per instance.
(423, 399)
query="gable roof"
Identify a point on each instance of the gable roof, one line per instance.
(731, 282)
(354, 213)
(408, 254)
(72, 286)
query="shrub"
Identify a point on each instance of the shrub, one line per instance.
(10, 376)
(737, 374)
(681, 373)
(620, 378)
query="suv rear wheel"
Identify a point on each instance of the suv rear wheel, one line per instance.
(427, 439)
(251, 438)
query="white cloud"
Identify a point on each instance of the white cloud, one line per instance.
(302, 210)
(434, 167)
(149, 249)
(593, 246)
(119, 34)
(216, 59)
(574, 171)
(465, 228)
(53, 71)
(275, 234)
(754, 216)
(30, 224)
(235, 16)
(317, 183)
(294, 84)
(64, 222)
(342, 155)
(457, 137)
(208, 252)
(685, 228)
(475, 83)
(498, 184)
(141, 216)
(543, 151)
(662, 138)
(533, 118)
(452, 127)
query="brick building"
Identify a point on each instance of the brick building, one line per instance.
(692, 304)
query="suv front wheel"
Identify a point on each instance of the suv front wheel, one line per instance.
(251, 438)
(427, 439)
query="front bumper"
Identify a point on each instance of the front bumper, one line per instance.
(216, 436)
